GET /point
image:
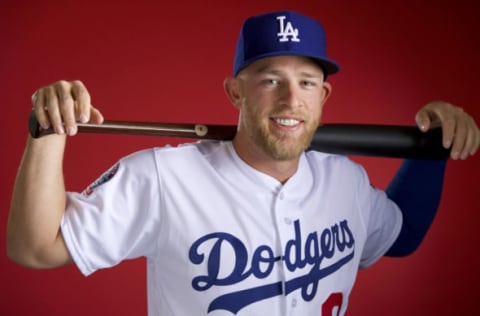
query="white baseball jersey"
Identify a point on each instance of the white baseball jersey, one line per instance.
(222, 238)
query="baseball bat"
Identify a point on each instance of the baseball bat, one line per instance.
(393, 141)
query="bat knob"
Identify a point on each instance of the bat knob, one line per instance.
(35, 130)
(201, 130)
(33, 125)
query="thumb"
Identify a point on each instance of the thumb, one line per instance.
(423, 121)
(429, 117)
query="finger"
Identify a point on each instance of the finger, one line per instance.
(470, 143)
(38, 103)
(449, 117)
(51, 106)
(475, 138)
(66, 106)
(82, 101)
(96, 116)
(460, 138)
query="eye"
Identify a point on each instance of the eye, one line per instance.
(272, 81)
(308, 83)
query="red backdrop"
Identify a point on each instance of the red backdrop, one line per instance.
(165, 61)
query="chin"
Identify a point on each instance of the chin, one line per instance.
(281, 151)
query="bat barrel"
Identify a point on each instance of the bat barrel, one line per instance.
(395, 141)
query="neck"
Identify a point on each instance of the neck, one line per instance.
(257, 158)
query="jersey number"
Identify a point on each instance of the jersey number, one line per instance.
(334, 300)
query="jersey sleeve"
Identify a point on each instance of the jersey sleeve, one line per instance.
(382, 221)
(115, 218)
(417, 190)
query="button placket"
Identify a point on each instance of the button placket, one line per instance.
(294, 303)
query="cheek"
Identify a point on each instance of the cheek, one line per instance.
(256, 103)
(317, 109)
(320, 111)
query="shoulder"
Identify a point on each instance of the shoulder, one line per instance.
(201, 148)
(180, 158)
(338, 169)
(196, 150)
(332, 161)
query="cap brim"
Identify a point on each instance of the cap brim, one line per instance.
(328, 65)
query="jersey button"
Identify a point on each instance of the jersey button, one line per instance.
(281, 196)
(294, 302)
(288, 221)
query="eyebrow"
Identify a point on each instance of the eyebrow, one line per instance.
(272, 71)
(268, 69)
(318, 75)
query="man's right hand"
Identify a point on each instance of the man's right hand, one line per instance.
(62, 104)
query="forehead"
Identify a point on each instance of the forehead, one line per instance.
(285, 64)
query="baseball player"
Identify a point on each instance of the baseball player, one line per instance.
(253, 226)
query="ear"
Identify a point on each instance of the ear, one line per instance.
(327, 91)
(231, 85)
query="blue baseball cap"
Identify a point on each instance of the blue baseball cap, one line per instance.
(282, 33)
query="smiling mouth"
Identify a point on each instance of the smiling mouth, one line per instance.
(287, 122)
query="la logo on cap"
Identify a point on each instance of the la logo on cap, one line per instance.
(287, 31)
(278, 34)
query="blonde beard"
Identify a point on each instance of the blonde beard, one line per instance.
(281, 147)
(278, 148)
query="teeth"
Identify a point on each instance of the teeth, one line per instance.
(287, 122)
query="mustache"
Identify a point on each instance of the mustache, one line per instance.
(298, 115)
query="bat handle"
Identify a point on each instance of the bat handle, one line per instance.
(33, 126)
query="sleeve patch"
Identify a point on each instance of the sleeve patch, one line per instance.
(105, 177)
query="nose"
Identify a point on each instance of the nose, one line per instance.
(290, 95)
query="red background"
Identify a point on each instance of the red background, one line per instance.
(165, 61)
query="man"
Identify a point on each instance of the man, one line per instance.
(255, 226)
